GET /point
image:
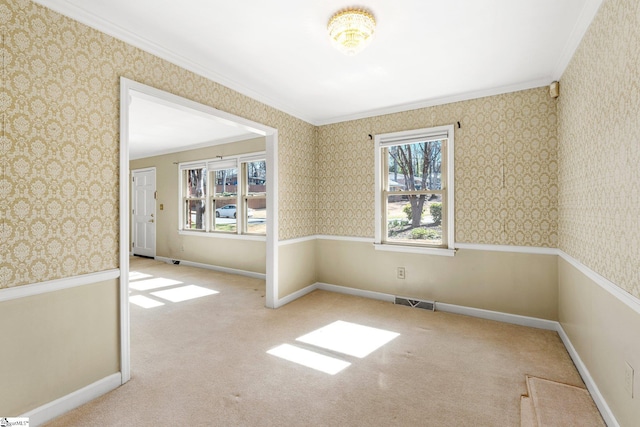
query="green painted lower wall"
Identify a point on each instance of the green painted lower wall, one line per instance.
(56, 343)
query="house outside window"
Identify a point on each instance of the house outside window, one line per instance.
(233, 202)
(224, 199)
(414, 189)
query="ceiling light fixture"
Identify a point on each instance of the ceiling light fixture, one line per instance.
(351, 30)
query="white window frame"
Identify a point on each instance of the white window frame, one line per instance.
(407, 137)
(183, 198)
(210, 165)
(244, 192)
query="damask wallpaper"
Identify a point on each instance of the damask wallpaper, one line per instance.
(505, 169)
(59, 100)
(599, 134)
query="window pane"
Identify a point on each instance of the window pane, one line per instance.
(194, 214)
(226, 182)
(256, 201)
(196, 182)
(415, 167)
(414, 218)
(257, 178)
(257, 215)
(226, 213)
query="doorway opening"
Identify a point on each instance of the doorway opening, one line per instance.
(130, 89)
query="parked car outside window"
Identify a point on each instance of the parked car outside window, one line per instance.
(229, 211)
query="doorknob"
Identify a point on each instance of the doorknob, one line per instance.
(151, 220)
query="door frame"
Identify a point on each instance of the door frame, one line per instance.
(271, 140)
(155, 216)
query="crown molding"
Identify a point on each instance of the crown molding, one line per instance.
(437, 101)
(72, 11)
(105, 26)
(588, 12)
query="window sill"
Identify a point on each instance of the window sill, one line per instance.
(219, 235)
(414, 249)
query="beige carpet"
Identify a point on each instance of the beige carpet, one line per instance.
(204, 362)
(554, 404)
(527, 413)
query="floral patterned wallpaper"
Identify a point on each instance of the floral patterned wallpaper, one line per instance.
(505, 169)
(59, 143)
(599, 134)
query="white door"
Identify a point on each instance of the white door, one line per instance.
(143, 221)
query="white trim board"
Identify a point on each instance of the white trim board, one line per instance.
(356, 292)
(466, 246)
(246, 273)
(295, 295)
(514, 319)
(604, 409)
(24, 291)
(507, 248)
(51, 410)
(623, 296)
(297, 240)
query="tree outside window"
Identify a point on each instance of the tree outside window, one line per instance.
(414, 192)
(195, 194)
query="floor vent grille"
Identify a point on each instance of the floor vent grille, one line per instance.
(426, 305)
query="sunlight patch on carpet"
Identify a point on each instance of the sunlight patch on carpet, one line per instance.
(310, 359)
(349, 338)
(184, 293)
(158, 282)
(136, 275)
(144, 302)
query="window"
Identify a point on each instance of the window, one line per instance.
(194, 197)
(235, 200)
(224, 199)
(255, 196)
(414, 182)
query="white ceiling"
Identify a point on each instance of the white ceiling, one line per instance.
(425, 52)
(159, 127)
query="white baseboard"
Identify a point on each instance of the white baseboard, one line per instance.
(604, 409)
(295, 295)
(73, 400)
(356, 292)
(515, 319)
(214, 267)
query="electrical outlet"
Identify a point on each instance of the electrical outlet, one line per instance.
(628, 378)
(401, 273)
